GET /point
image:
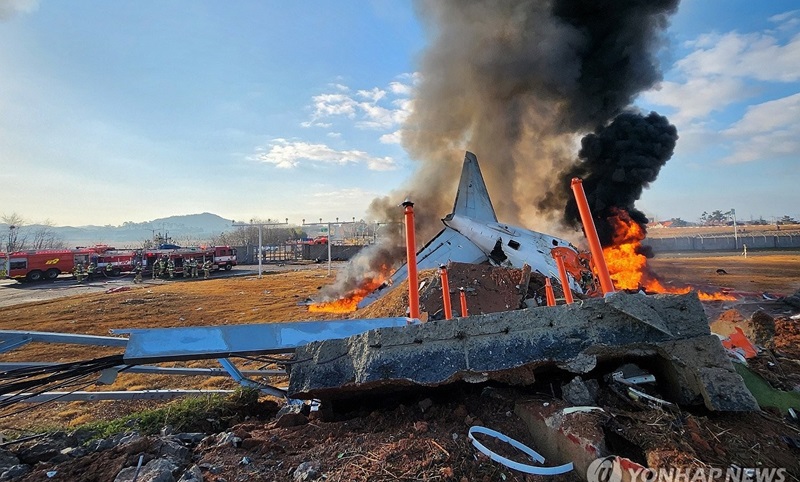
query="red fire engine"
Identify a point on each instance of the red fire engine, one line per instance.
(39, 265)
(221, 257)
(46, 264)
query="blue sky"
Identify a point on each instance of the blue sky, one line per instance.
(131, 111)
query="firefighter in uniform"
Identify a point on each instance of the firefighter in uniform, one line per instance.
(79, 273)
(90, 271)
(137, 270)
(109, 269)
(163, 271)
(207, 269)
(155, 267)
(171, 268)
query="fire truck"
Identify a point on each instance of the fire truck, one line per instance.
(221, 257)
(41, 265)
(47, 264)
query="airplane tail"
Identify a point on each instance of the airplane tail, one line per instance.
(472, 198)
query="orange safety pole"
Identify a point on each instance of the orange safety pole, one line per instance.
(548, 289)
(463, 302)
(591, 235)
(562, 274)
(411, 255)
(448, 310)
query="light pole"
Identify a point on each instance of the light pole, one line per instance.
(11, 238)
(6, 271)
(328, 224)
(735, 232)
(261, 225)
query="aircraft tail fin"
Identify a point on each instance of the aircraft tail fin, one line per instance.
(472, 198)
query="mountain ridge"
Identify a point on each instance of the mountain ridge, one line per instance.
(182, 229)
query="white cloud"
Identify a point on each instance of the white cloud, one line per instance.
(757, 56)
(9, 8)
(334, 135)
(697, 97)
(767, 130)
(787, 20)
(399, 88)
(375, 108)
(724, 69)
(333, 104)
(287, 154)
(393, 138)
(375, 94)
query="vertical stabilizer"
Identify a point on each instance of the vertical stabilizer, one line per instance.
(472, 198)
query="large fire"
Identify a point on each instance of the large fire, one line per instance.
(349, 302)
(627, 266)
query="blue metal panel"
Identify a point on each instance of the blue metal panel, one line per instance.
(192, 343)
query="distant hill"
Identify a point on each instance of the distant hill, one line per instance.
(189, 229)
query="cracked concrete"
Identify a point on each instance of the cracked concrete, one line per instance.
(511, 347)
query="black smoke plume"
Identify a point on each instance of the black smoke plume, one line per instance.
(618, 162)
(515, 82)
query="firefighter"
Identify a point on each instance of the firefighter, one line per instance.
(137, 270)
(109, 269)
(163, 266)
(207, 269)
(79, 273)
(155, 268)
(171, 268)
(193, 268)
(90, 271)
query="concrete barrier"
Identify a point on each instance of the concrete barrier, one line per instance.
(724, 243)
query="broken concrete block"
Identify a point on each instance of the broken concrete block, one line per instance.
(511, 346)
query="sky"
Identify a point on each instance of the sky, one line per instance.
(132, 111)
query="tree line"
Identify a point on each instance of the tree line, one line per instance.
(726, 218)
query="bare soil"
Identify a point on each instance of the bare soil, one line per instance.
(395, 438)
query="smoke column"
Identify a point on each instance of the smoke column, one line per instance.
(619, 161)
(517, 83)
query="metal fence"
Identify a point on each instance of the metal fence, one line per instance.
(725, 242)
(295, 252)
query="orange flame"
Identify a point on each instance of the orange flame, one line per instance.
(349, 302)
(628, 266)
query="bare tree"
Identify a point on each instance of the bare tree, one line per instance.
(17, 236)
(44, 237)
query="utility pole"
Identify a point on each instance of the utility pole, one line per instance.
(328, 224)
(260, 226)
(735, 232)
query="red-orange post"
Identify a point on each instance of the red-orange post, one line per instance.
(562, 274)
(448, 310)
(463, 302)
(591, 235)
(548, 290)
(411, 255)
